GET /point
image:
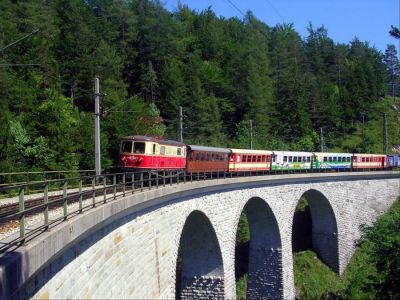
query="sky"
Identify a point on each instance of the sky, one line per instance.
(368, 20)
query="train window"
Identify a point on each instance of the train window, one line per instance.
(349, 159)
(339, 159)
(138, 147)
(285, 158)
(162, 150)
(179, 151)
(126, 146)
(363, 159)
(290, 158)
(308, 159)
(207, 156)
(197, 156)
(254, 158)
(330, 159)
(258, 158)
(244, 158)
(295, 159)
(202, 156)
(325, 158)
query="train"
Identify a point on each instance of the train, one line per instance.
(149, 154)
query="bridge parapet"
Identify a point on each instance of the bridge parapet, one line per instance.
(128, 248)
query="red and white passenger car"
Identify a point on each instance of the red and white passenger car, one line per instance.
(369, 161)
(142, 153)
(249, 160)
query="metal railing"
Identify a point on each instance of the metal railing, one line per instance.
(88, 192)
(27, 177)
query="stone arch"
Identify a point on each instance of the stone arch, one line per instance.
(265, 278)
(201, 274)
(324, 233)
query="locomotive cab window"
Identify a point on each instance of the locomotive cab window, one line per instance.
(126, 146)
(308, 159)
(162, 150)
(285, 158)
(290, 158)
(139, 147)
(154, 148)
(325, 159)
(179, 151)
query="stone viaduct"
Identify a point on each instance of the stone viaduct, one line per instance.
(128, 248)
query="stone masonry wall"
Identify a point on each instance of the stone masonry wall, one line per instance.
(135, 255)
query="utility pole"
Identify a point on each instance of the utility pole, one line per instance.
(385, 134)
(322, 140)
(180, 128)
(97, 126)
(363, 131)
(251, 133)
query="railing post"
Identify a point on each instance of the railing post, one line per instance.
(184, 176)
(94, 191)
(170, 178)
(46, 205)
(133, 182)
(21, 214)
(149, 180)
(141, 181)
(163, 178)
(115, 186)
(123, 184)
(157, 179)
(177, 177)
(191, 176)
(105, 189)
(80, 195)
(65, 199)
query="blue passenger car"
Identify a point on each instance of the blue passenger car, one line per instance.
(394, 161)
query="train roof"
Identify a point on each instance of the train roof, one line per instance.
(143, 138)
(332, 154)
(209, 149)
(368, 154)
(250, 151)
(292, 153)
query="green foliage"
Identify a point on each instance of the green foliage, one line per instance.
(312, 278)
(373, 272)
(380, 249)
(223, 72)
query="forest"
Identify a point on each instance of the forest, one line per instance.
(222, 71)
